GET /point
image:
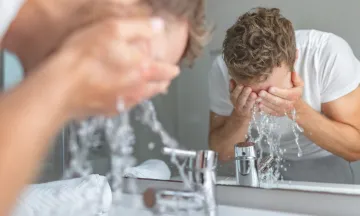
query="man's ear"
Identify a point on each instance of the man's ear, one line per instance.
(232, 84)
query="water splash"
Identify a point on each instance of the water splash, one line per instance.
(119, 135)
(149, 118)
(296, 128)
(121, 140)
(267, 129)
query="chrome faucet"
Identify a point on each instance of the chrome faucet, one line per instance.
(202, 176)
(250, 170)
(246, 165)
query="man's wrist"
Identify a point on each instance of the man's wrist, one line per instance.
(301, 108)
(31, 45)
(59, 83)
(239, 121)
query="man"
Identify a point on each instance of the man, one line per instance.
(265, 62)
(84, 68)
(54, 21)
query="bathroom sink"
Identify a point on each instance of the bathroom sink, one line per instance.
(300, 186)
(128, 200)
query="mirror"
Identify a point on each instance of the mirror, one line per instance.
(184, 111)
(330, 72)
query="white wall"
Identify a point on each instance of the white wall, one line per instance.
(339, 17)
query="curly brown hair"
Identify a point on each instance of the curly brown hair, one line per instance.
(194, 12)
(259, 41)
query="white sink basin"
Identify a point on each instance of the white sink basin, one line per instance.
(222, 210)
(301, 186)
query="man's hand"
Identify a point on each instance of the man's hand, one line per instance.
(243, 100)
(280, 102)
(42, 25)
(99, 66)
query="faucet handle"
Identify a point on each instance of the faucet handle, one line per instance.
(178, 152)
(204, 159)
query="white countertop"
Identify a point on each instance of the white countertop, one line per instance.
(350, 189)
(125, 209)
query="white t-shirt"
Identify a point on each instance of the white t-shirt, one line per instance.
(8, 11)
(329, 69)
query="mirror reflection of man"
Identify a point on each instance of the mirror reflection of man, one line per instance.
(266, 62)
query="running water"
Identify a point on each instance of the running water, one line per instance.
(296, 128)
(148, 117)
(266, 128)
(119, 135)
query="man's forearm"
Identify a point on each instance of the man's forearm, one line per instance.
(223, 139)
(33, 43)
(337, 138)
(31, 115)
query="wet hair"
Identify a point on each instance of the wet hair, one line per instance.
(259, 41)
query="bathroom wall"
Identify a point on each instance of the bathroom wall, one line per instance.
(339, 17)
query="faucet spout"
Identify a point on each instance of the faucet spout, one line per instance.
(202, 174)
(246, 165)
(250, 170)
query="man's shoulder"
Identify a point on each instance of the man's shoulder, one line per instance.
(327, 42)
(219, 63)
(311, 38)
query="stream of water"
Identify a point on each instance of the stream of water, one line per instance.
(119, 135)
(266, 130)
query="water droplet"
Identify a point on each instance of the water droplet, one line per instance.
(151, 146)
(300, 154)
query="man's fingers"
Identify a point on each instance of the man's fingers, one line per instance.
(277, 109)
(241, 101)
(141, 28)
(155, 88)
(250, 102)
(287, 94)
(147, 91)
(128, 2)
(276, 102)
(157, 71)
(271, 98)
(268, 110)
(235, 94)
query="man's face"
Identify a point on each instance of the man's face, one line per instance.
(31, 45)
(280, 78)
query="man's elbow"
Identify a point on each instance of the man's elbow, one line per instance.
(351, 156)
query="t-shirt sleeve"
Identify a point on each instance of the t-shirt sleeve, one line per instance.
(219, 88)
(8, 12)
(340, 69)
